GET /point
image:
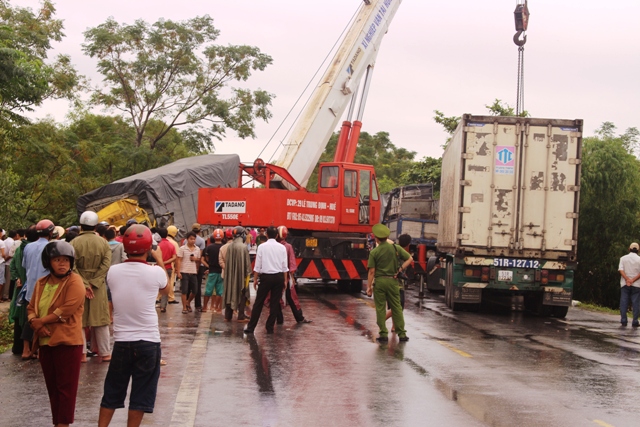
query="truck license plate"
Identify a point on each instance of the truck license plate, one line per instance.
(505, 276)
(516, 263)
(312, 243)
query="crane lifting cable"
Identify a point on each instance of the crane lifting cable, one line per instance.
(521, 15)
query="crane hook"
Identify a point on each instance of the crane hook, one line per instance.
(517, 40)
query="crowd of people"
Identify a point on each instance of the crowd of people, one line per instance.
(71, 297)
(69, 287)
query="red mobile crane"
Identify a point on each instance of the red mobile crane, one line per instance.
(328, 229)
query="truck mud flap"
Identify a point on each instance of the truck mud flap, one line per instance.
(557, 296)
(467, 295)
(332, 269)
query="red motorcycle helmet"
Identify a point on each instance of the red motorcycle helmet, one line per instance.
(228, 233)
(218, 234)
(283, 232)
(137, 240)
(45, 227)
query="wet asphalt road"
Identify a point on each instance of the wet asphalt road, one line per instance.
(462, 369)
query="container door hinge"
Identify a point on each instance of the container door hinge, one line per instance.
(463, 209)
(465, 183)
(463, 237)
(575, 161)
(575, 188)
(467, 156)
(569, 242)
(572, 215)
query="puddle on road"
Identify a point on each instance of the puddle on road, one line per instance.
(348, 318)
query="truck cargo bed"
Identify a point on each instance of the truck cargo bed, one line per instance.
(510, 187)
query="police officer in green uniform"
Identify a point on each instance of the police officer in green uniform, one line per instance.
(383, 283)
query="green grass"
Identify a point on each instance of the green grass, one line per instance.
(6, 334)
(598, 308)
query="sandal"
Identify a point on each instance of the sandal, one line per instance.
(184, 311)
(189, 309)
(163, 310)
(163, 362)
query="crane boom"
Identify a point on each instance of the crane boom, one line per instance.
(333, 94)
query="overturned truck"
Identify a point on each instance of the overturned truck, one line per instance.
(164, 196)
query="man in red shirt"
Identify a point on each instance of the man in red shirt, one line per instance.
(168, 257)
(290, 289)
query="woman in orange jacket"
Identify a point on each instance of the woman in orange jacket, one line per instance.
(55, 315)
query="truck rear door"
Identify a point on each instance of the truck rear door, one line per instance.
(549, 187)
(489, 183)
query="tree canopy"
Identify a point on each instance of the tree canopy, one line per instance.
(609, 206)
(26, 78)
(53, 164)
(173, 73)
(388, 160)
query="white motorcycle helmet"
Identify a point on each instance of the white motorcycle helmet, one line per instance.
(89, 218)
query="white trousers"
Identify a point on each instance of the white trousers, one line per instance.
(100, 340)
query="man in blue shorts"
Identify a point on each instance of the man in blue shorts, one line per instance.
(215, 283)
(136, 354)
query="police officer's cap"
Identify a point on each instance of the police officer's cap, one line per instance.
(381, 231)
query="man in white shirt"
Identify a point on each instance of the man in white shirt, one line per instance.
(134, 285)
(271, 273)
(629, 269)
(187, 263)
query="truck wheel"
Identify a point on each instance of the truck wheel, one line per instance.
(533, 302)
(343, 286)
(446, 295)
(454, 306)
(559, 311)
(432, 281)
(355, 286)
(448, 286)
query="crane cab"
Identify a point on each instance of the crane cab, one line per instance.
(356, 188)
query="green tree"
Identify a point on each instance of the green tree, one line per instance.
(110, 151)
(429, 169)
(607, 132)
(46, 163)
(388, 160)
(172, 73)
(500, 109)
(26, 78)
(449, 123)
(54, 164)
(610, 189)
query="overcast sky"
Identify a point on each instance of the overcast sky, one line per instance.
(582, 58)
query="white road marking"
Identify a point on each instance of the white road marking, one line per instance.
(184, 411)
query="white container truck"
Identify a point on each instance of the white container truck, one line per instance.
(509, 201)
